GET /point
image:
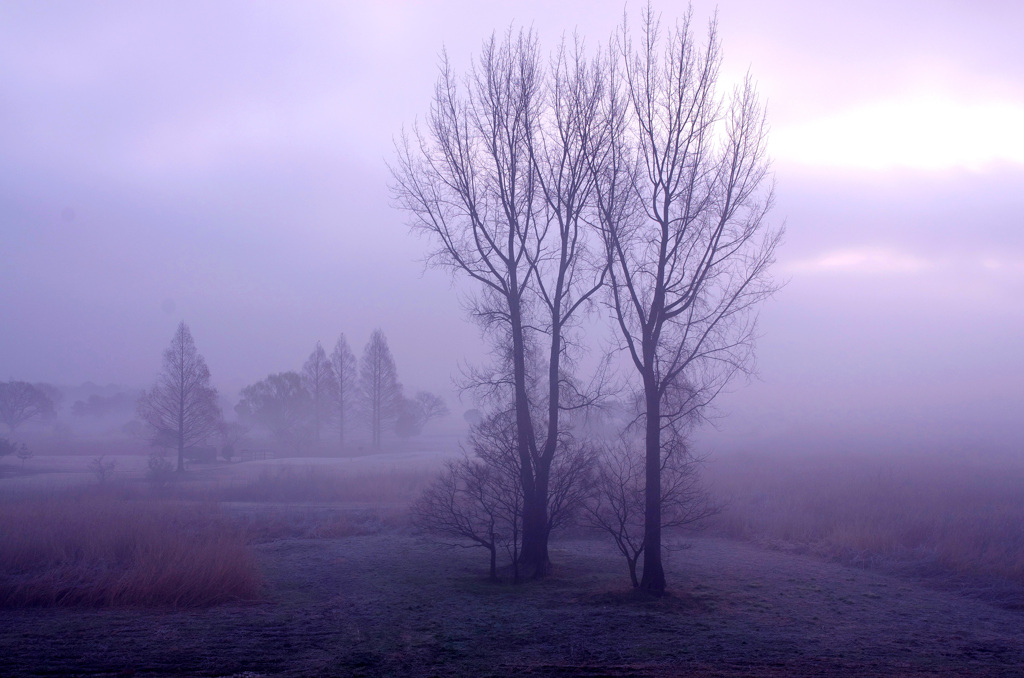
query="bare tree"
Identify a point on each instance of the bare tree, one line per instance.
(470, 502)
(182, 406)
(683, 189)
(103, 470)
(617, 505)
(20, 402)
(281, 405)
(345, 392)
(380, 390)
(232, 434)
(500, 182)
(414, 413)
(320, 381)
(479, 498)
(25, 453)
(18, 449)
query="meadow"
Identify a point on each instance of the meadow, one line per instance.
(846, 566)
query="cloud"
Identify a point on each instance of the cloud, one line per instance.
(924, 133)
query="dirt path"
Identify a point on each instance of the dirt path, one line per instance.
(394, 605)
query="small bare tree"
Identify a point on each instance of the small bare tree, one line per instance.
(380, 391)
(618, 506)
(102, 469)
(414, 413)
(320, 380)
(7, 447)
(20, 402)
(25, 453)
(473, 504)
(479, 498)
(182, 407)
(347, 385)
(683, 190)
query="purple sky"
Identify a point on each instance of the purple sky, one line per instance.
(224, 163)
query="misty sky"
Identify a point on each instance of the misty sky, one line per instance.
(224, 163)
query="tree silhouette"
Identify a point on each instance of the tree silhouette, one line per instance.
(181, 408)
(683, 190)
(345, 392)
(617, 504)
(500, 180)
(21, 402)
(281, 405)
(415, 412)
(319, 379)
(380, 391)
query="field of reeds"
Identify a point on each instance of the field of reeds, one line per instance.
(93, 548)
(930, 515)
(182, 542)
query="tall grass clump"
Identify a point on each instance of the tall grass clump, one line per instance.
(95, 549)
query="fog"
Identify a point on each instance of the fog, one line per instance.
(226, 165)
(197, 200)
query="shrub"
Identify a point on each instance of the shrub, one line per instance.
(102, 469)
(160, 470)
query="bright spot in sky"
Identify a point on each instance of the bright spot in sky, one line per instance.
(860, 260)
(924, 133)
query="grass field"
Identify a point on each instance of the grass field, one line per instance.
(311, 568)
(944, 514)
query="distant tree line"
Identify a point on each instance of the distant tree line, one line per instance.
(335, 392)
(296, 409)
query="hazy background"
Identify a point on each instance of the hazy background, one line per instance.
(224, 163)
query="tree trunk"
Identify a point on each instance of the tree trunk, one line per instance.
(341, 423)
(632, 571)
(653, 579)
(494, 562)
(535, 526)
(534, 554)
(181, 413)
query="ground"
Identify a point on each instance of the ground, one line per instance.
(392, 603)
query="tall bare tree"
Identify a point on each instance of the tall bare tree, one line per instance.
(379, 387)
(320, 381)
(344, 364)
(683, 192)
(499, 179)
(182, 406)
(20, 402)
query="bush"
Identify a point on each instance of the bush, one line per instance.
(102, 469)
(160, 470)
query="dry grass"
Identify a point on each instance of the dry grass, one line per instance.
(95, 549)
(934, 515)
